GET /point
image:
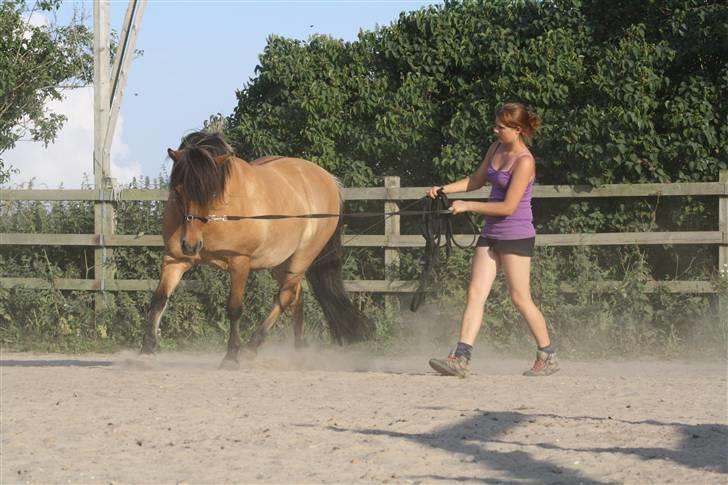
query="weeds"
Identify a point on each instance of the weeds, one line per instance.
(566, 284)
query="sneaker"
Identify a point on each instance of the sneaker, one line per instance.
(545, 365)
(452, 366)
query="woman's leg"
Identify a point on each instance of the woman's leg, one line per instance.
(484, 268)
(517, 271)
(483, 271)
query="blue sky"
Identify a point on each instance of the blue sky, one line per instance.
(196, 54)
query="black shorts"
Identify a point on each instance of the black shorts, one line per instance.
(521, 247)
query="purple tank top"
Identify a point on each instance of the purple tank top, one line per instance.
(518, 225)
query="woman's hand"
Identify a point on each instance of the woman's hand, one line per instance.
(459, 206)
(432, 193)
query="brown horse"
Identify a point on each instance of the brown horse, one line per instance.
(208, 182)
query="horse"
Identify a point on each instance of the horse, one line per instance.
(276, 213)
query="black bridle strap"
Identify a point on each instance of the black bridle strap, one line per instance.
(212, 218)
(436, 225)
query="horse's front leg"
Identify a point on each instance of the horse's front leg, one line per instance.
(239, 270)
(171, 274)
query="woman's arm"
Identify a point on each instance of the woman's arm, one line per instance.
(470, 183)
(523, 171)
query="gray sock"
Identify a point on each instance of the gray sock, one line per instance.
(463, 350)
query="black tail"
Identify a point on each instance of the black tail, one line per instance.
(346, 322)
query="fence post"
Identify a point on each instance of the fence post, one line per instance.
(723, 246)
(103, 209)
(391, 256)
(104, 267)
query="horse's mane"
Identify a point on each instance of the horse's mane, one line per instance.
(202, 178)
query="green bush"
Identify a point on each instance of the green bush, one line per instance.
(629, 92)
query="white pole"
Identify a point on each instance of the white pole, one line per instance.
(122, 61)
(103, 210)
(101, 88)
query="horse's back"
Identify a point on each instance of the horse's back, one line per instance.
(292, 170)
(266, 159)
(284, 185)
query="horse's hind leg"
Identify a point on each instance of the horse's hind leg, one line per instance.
(297, 309)
(287, 294)
(171, 274)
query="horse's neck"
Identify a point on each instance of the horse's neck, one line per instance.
(242, 180)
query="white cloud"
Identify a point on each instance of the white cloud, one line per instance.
(36, 20)
(70, 156)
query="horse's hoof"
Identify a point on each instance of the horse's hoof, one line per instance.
(143, 361)
(248, 353)
(229, 364)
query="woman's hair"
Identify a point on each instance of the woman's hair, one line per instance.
(516, 115)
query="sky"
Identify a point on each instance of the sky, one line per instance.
(196, 54)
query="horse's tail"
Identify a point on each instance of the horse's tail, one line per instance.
(346, 322)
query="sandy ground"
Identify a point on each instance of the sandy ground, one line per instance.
(337, 416)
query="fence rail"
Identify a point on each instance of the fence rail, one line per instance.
(396, 193)
(392, 194)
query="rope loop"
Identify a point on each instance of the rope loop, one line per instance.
(437, 231)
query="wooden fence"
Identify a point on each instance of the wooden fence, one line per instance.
(391, 240)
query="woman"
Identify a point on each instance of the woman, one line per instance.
(507, 239)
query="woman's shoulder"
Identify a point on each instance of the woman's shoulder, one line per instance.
(491, 150)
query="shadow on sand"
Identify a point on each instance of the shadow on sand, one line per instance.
(56, 363)
(701, 447)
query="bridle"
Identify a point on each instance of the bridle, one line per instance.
(217, 218)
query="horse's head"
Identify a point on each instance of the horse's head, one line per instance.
(201, 168)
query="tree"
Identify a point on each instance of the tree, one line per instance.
(37, 63)
(630, 91)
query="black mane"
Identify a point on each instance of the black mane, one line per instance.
(196, 171)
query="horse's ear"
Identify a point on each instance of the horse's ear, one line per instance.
(220, 159)
(173, 154)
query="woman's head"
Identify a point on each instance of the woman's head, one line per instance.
(514, 120)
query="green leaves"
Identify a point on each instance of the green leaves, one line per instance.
(36, 64)
(621, 99)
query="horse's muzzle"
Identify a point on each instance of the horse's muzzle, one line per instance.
(191, 250)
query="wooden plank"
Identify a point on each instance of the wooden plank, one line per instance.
(151, 240)
(364, 193)
(369, 286)
(577, 191)
(723, 248)
(18, 239)
(405, 241)
(41, 195)
(380, 286)
(623, 238)
(697, 287)
(629, 190)
(86, 284)
(144, 194)
(407, 193)
(598, 239)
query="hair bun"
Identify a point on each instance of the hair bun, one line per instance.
(533, 121)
